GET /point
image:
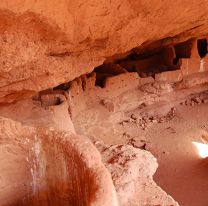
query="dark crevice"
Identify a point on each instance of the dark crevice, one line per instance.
(64, 86)
(83, 78)
(107, 70)
(147, 63)
(202, 47)
(61, 54)
(100, 79)
(176, 61)
(183, 49)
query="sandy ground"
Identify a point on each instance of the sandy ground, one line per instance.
(182, 172)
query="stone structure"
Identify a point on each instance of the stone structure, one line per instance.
(70, 68)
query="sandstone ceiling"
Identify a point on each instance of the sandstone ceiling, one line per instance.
(45, 43)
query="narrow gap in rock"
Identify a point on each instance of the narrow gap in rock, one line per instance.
(64, 86)
(202, 47)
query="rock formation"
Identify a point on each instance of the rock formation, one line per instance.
(132, 170)
(48, 43)
(71, 72)
(43, 167)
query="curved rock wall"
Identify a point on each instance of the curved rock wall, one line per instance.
(44, 167)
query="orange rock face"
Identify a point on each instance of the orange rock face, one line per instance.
(45, 167)
(132, 170)
(47, 43)
(68, 65)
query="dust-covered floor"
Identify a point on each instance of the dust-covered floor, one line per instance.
(168, 129)
(182, 172)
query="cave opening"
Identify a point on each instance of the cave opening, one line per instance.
(146, 64)
(202, 47)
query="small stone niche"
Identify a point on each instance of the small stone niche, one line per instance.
(202, 47)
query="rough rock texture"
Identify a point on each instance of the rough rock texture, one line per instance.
(140, 51)
(45, 167)
(132, 172)
(40, 112)
(45, 43)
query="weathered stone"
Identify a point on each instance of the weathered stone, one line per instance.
(146, 80)
(46, 167)
(169, 76)
(195, 63)
(132, 171)
(122, 83)
(193, 80)
(47, 43)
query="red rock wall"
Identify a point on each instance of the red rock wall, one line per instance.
(45, 167)
(47, 43)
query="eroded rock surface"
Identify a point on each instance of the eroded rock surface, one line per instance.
(132, 172)
(46, 167)
(47, 43)
(90, 67)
